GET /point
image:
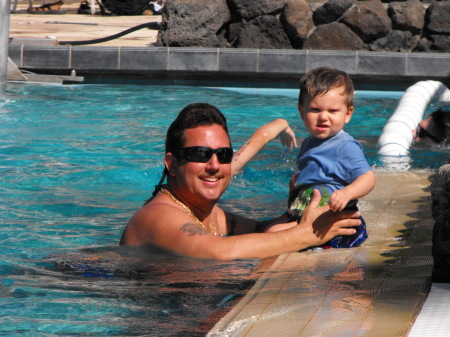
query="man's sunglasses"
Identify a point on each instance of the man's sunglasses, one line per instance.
(202, 154)
(422, 133)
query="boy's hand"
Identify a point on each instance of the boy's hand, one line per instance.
(338, 200)
(287, 138)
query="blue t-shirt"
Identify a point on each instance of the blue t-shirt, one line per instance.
(329, 164)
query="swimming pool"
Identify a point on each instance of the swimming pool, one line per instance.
(77, 161)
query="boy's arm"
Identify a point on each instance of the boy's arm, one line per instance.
(263, 135)
(357, 189)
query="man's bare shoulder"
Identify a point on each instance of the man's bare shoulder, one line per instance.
(155, 213)
(159, 220)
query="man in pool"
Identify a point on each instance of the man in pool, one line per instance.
(433, 129)
(183, 217)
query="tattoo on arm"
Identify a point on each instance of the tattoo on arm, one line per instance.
(193, 229)
(242, 149)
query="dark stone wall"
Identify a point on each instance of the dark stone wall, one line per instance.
(440, 207)
(374, 25)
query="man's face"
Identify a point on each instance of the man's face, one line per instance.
(204, 181)
(425, 132)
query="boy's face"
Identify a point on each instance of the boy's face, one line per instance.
(325, 115)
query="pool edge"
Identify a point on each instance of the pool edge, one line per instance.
(224, 67)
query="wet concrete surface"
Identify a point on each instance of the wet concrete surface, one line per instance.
(69, 26)
(377, 289)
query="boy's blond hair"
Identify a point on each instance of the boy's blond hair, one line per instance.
(321, 80)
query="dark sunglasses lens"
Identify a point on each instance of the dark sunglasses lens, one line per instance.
(224, 155)
(422, 133)
(202, 154)
(197, 154)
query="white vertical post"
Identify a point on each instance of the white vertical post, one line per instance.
(92, 7)
(5, 6)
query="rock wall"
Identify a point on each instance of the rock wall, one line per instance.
(440, 207)
(373, 25)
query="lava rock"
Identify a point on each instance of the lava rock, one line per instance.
(368, 19)
(245, 9)
(438, 18)
(297, 21)
(331, 11)
(264, 32)
(194, 23)
(440, 43)
(334, 36)
(440, 207)
(407, 16)
(397, 40)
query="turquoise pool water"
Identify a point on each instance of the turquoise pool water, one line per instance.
(77, 161)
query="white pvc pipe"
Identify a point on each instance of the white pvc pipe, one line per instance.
(397, 135)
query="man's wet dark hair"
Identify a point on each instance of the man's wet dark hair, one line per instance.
(441, 120)
(192, 116)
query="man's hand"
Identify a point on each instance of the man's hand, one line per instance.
(287, 138)
(327, 224)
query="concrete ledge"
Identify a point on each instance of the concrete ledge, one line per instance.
(45, 57)
(91, 58)
(262, 67)
(377, 289)
(244, 61)
(282, 62)
(381, 64)
(192, 60)
(143, 59)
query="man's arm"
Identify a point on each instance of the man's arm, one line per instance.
(169, 228)
(264, 134)
(358, 189)
(317, 226)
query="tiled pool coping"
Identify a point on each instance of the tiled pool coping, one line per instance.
(277, 68)
(374, 290)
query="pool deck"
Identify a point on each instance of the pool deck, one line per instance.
(379, 289)
(36, 38)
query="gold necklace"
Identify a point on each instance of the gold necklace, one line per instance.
(212, 227)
